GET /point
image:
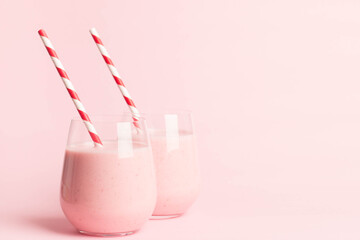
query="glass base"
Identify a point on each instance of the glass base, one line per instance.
(116, 234)
(163, 217)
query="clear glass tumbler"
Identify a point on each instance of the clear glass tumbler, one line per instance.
(109, 190)
(175, 157)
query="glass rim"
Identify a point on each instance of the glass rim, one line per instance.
(112, 117)
(168, 111)
(108, 118)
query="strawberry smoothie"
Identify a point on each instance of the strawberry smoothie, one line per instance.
(177, 172)
(105, 191)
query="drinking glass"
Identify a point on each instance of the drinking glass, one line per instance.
(109, 190)
(175, 157)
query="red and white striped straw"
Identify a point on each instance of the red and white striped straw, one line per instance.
(69, 86)
(134, 111)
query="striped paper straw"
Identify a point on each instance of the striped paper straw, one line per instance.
(69, 86)
(116, 76)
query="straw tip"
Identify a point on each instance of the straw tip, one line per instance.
(93, 30)
(42, 32)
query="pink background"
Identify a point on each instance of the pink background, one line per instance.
(274, 87)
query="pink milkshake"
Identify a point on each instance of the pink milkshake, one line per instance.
(177, 172)
(109, 190)
(176, 164)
